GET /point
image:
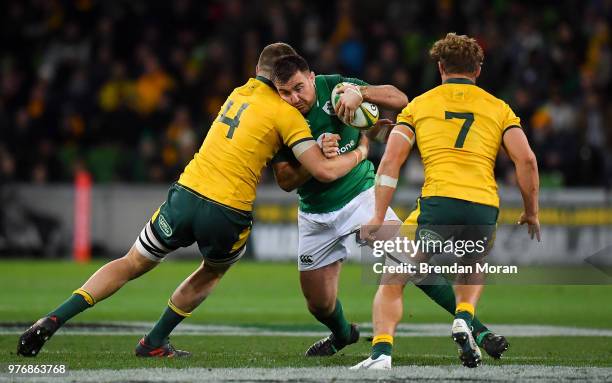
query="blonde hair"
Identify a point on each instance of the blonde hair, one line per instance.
(457, 53)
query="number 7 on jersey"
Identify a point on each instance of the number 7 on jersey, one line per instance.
(469, 120)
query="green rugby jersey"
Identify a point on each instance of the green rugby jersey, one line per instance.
(320, 197)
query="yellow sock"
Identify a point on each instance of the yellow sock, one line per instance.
(465, 306)
(382, 338)
(382, 345)
(177, 310)
(87, 296)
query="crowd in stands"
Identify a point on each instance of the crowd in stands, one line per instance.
(127, 89)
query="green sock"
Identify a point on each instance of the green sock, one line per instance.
(164, 326)
(71, 307)
(466, 316)
(381, 348)
(338, 324)
(441, 291)
(478, 327)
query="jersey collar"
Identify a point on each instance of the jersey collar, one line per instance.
(459, 80)
(266, 81)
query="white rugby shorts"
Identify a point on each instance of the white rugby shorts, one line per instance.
(323, 237)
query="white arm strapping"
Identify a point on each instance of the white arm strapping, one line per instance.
(300, 148)
(384, 180)
(405, 136)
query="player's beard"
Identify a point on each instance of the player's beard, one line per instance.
(303, 107)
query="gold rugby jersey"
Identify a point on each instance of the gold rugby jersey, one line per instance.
(459, 129)
(253, 123)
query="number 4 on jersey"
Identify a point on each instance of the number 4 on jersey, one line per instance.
(469, 120)
(232, 122)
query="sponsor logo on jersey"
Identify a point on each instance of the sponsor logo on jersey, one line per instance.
(306, 259)
(327, 108)
(347, 147)
(163, 225)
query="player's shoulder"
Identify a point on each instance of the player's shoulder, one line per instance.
(284, 111)
(426, 97)
(258, 88)
(486, 95)
(330, 80)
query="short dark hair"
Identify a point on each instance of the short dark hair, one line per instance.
(457, 53)
(285, 67)
(270, 54)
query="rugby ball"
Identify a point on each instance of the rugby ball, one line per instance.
(365, 116)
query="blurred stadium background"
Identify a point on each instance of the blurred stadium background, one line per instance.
(106, 101)
(124, 91)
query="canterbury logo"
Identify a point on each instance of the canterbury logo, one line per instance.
(163, 225)
(306, 259)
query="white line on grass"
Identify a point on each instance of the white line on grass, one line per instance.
(513, 373)
(404, 330)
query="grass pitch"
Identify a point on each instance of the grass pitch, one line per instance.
(268, 294)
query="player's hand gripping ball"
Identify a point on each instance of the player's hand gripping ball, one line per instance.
(365, 114)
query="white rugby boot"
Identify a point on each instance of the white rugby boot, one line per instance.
(383, 362)
(469, 353)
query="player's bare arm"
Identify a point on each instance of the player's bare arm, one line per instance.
(517, 147)
(398, 148)
(385, 96)
(329, 169)
(290, 175)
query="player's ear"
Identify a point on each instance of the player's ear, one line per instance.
(478, 70)
(440, 68)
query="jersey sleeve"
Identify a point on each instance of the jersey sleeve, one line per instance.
(292, 126)
(510, 120)
(406, 117)
(334, 79)
(353, 80)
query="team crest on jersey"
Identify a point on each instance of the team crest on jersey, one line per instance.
(327, 108)
(163, 225)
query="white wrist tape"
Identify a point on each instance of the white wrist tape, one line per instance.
(364, 152)
(384, 180)
(405, 136)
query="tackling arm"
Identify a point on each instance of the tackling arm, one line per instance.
(289, 176)
(329, 169)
